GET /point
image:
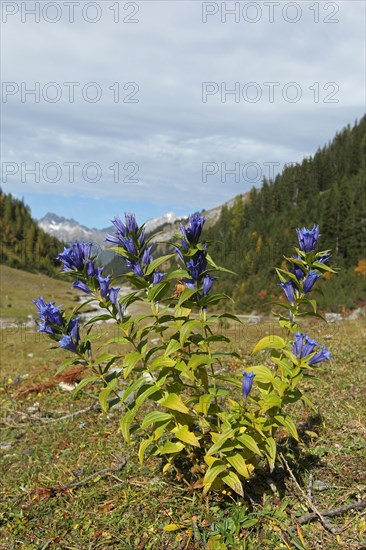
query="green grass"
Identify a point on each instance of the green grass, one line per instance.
(128, 509)
(19, 288)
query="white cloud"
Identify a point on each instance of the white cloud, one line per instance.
(170, 132)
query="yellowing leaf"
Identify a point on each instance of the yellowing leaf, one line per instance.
(171, 447)
(155, 416)
(271, 341)
(211, 475)
(249, 443)
(172, 527)
(183, 433)
(232, 480)
(174, 402)
(143, 446)
(238, 462)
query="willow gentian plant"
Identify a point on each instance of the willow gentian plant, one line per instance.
(172, 358)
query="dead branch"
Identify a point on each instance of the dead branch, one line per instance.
(311, 505)
(332, 512)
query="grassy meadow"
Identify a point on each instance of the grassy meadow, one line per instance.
(70, 482)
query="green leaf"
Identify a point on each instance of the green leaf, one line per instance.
(83, 383)
(141, 398)
(177, 274)
(211, 474)
(237, 461)
(155, 416)
(224, 436)
(174, 402)
(160, 428)
(156, 263)
(199, 359)
(232, 480)
(130, 362)
(172, 347)
(223, 269)
(104, 317)
(156, 292)
(130, 298)
(289, 424)
(217, 338)
(203, 403)
(270, 450)
(105, 393)
(249, 442)
(171, 447)
(187, 329)
(186, 295)
(125, 424)
(269, 401)
(162, 361)
(323, 267)
(142, 448)
(106, 357)
(262, 374)
(271, 341)
(182, 432)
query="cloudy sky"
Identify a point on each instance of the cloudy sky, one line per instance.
(176, 105)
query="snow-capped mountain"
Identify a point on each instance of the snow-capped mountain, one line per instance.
(69, 230)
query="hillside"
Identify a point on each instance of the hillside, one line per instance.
(328, 189)
(19, 288)
(24, 245)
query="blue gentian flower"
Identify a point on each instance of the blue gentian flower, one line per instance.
(123, 230)
(157, 277)
(297, 271)
(131, 223)
(208, 281)
(90, 268)
(146, 257)
(308, 238)
(184, 245)
(303, 345)
(103, 282)
(67, 343)
(128, 244)
(180, 255)
(192, 231)
(73, 329)
(309, 345)
(81, 286)
(112, 295)
(75, 257)
(141, 238)
(288, 289)
(322, 355)
(197, 265)
(49, 316)
(310, 280)
(190, 284)
(135, 267)
(247, 383)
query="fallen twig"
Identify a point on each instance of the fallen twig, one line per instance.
(39, 420)
(317, 513)
(48, 492)
(332, 512)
